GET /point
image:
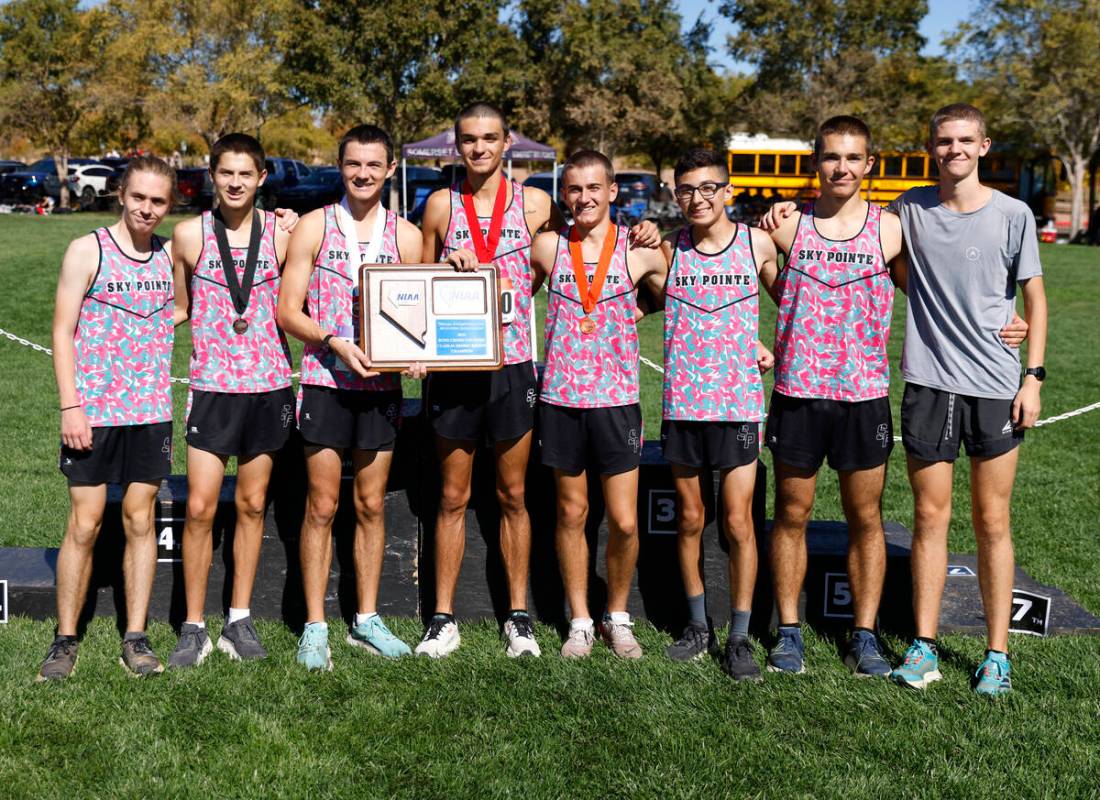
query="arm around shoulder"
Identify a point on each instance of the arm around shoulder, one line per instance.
(302, 251)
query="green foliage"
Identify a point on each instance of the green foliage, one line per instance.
(1038, 63)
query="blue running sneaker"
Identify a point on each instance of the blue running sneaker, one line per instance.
(992, 677)
(920, 667)
(787, 654)
(864, 656)
(374, 637)
(313, 647)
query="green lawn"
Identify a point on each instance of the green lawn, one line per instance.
(479, 725)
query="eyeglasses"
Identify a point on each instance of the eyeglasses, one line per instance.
(684, 192)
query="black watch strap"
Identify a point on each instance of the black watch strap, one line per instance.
(1040, 373)
(327, 338)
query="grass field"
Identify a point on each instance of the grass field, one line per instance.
(479, 725)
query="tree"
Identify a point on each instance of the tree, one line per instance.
(817, 58)
(407, 65)
(215, 66)
(51, 73)
(1040, 60)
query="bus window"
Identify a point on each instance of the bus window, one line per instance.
(914, 166)
(767, 164)
(787, 165)
(805, 165)
(743, 163)
(891, 166)
(933, 168)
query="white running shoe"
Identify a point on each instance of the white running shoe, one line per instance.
(520, 636)
(619, 636)
(441, 638)
(579, 642)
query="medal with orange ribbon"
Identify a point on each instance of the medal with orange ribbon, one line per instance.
(590, 292)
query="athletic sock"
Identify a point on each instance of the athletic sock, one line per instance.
(739, 623)
(201, 623)
(697, 608)
(857, 629)
(619, 617)
(580, 624)
(361, 619)
(930, 642)
(518, 612)
(790, 626)
(236, 614)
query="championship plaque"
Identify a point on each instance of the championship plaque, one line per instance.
(431, 314)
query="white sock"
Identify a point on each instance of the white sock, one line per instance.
(580, 624)
(362, 618)
(236, 614)
(201, 623)
(619, 617)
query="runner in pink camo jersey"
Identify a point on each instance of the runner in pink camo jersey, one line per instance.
(597, 369)
(344, 408)
(240, 403)
(830, 400)
(835, 303)
(112, 350)
(714, 396)
(589, 417)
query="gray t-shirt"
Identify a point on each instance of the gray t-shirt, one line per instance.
(963, 271)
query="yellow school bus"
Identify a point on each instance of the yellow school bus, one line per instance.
(763, 168)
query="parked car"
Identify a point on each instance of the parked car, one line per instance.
(11, 166)
(115, 162)
(420, 182)
(282, 173)
(28, 187)
(322, 186)
(545, 181)
(194, 188)
(92, 190)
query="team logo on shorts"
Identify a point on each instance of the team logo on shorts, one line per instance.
(746, 437)
(285, 415)
(633, 441)
(1007, 429)
(882, 435)
(166, 448)
(531, 398)
(391, 413)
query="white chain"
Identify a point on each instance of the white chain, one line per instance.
(1068, 415)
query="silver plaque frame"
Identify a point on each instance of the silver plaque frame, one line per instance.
(430, 314)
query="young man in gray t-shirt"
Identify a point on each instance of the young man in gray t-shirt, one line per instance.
(968, 247)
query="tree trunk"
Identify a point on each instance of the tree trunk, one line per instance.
(61, 165)
(1078, 167)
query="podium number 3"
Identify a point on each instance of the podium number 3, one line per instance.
(666, 509)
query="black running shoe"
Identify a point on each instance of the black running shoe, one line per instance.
(138, 656)
(696, 641)
(60, 659)
(737, 660)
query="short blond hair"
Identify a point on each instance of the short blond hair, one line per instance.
(953, 113)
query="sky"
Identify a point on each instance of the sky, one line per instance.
(942, 17)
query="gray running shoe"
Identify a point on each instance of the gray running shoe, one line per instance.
(619, 636)
(695, 642)
(192, 648)
(138, 657)
(737, 660)
(240, 641)
(60, 659)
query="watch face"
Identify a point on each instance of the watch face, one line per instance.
(1039, 372)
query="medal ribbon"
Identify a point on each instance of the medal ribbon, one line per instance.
(485, 249)
(351, 237)
(238, 290)
(590, 293)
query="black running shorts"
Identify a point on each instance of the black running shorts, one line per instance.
(711, 444)
(488, 407)
(607, 440)
(346, 418)
(240, 424)
(935, 422)
(802, 432)
(121, 454)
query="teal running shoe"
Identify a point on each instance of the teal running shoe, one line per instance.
(788, 652)
(313, 647)
(993, 676)
(374, 637)
(920, 667)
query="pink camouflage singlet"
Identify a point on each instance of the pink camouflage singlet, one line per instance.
(123, 338)
(835, 304)
(600, 369)
(512, 257)
(332, 301)
(711, 314)
(222, 360)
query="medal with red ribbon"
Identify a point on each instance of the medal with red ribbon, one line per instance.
(590, 292)
(485, 248)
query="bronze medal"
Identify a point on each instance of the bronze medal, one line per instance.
(240, 325)
(588, 325)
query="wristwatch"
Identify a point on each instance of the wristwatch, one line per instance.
(328, 338)
(1040, 373)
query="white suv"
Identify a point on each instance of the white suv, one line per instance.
(91, 183)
